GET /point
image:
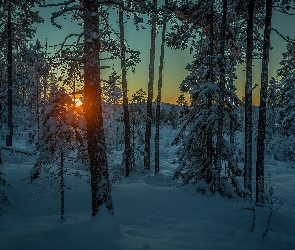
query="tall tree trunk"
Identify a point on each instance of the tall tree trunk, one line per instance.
(147, 148)
(158, 109)
(100, 184)
(209, 149)
(62, 186)
(9, 75)
(125, 96)
(248, 101)
(262, 107)
(221, 96)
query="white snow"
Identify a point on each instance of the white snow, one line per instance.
(151, 212)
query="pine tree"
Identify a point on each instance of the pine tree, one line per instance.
(127, 153)
(147, 149)
(60, 133)
(183, 111)
(198, 154)
(248, 99)
(285, 101)
(9, 75)
(158, 107)
(20, 17)
(94, 33)
(100, 185)
(221, 95)
(262, 107)
(138, 120)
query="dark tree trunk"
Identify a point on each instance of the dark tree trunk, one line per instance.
(9, 75)
(262, 107)
(125, 96)
(248, 101)
(147, 148)
(221, 96)
(100, 184)
(158, 109)
(37, 107)
(231, 139)
(1, 162)
(62, 186)
(209, 148)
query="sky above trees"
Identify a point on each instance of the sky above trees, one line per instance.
(175, 60)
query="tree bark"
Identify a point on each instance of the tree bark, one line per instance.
(248, 101)
(100, 184)
(221, 96)
(9, 75)
(158, 109)
(1, 162)
(209, 148)
(262, 107)
(147, 148)
(125, 96)
(62, 186)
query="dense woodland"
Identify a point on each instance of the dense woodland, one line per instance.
(220, 34)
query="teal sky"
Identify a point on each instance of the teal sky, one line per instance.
(175, 60)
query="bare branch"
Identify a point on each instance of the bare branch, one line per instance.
(279, 9)
(65, 3)
(63, 11)
(286, 38)
(67, 37)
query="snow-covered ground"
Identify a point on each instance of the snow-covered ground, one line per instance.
(151, 212)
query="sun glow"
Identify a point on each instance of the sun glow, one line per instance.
(78, 102)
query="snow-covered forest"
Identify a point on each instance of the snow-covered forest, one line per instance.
(85, 164)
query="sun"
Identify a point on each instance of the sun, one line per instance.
(78, 102)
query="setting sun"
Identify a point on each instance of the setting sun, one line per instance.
(78, 102)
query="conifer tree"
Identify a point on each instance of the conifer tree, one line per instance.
(262, 106)
(248, 99)
(221, 95)
(127, 153)
(20, 17)
(60, 133)
(198, 156)
(92, 19)
(285, 99)
(158, 107)
(147, 149)
(137, 120)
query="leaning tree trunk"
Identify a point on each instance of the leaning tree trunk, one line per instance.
(125, 96)
(248, 101)
(158, 109)
(148, 130)
(9, 75)
(221, 96)
(262, 107)
(100, 184)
